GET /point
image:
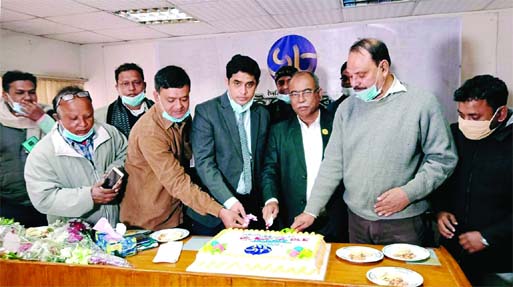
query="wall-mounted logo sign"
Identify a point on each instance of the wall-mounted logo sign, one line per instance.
(292, 50)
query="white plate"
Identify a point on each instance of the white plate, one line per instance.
(359, 254)
(405, 252)
(173, 234)
(394, 276)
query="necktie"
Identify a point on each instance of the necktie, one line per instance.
(246, 156)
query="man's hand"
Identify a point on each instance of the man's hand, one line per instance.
(446, 224)
(391, 201)
(33, 110)
(471, 241)
(269, 212)
(231, 219)
(102, 195)
(237, 207)
(302, 221)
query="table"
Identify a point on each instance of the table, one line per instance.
(146, 273)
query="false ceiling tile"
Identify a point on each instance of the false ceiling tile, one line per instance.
(46, 8)
(85, 37)
(426, 7)
(310, 18)
(38, 27)
(7, 15)
(95, 21)
(184, 29)
(246, 24)
(137, 33)
(377, 11)
(125, 4)
(274, 7)
(221, 11)
(500, 4)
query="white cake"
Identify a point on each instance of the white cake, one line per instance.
(264, 253)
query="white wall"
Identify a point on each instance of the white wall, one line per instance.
(38, 55)
(100, 61)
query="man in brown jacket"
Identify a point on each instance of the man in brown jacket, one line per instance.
(158, 151)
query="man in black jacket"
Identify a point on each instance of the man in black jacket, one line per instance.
(475, 209)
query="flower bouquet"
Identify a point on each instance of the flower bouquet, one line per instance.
(67, 242)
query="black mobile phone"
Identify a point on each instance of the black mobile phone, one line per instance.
(114, 175)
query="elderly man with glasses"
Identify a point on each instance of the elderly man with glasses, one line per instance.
(65, 171)
(294, 154)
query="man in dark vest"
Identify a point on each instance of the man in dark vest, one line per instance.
(131, 103)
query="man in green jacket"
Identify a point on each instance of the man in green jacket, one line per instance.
(64, 172)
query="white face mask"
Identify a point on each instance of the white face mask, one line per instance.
(15, 106)
(476, 130)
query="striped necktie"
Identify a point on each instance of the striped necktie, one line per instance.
(246, 156)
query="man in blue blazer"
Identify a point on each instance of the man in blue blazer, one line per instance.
(294, 154)
(229, 135)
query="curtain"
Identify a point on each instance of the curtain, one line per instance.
(47, 88)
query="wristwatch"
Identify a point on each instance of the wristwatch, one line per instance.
(485, 242)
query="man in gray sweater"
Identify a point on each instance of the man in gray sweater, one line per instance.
(391, 146)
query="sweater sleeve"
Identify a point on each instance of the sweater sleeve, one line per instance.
(440, 156)
(331, 170)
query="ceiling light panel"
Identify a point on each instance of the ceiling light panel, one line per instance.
(46, 8)
(85, 37)
(220, 11)
(246, 24)
(274, 7)
(7, 15)
(94, 21)
(184, 29)
(426, 7)
(310, 18)
(37, 27)
(163, 15)
(137, 33)
(500, 4)
(124, 4)
(378, 11)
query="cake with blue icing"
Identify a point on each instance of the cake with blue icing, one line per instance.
(263, 253)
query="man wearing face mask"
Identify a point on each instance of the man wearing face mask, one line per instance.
(391, 146)
(280, 109)
(347, 90)
(64, 172)
(475, 204)
(229, 135)
(159, 154)
(23, 122)
(131, 103)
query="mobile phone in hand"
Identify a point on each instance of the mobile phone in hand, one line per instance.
(114, 175)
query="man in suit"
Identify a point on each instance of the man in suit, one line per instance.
(229, 134)
(289, 171)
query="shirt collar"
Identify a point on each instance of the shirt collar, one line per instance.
(396, 87)
(316, 123)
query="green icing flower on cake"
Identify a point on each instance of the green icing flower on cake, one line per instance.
(214, 247)
(300, 252)
(288, 230)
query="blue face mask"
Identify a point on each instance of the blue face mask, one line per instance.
(173, 119)
(133, 101)
(76, 138)
(284, 97)
(370, 93)
(238, 108)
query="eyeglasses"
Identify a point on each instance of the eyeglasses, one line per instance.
(128, 84)
(304, 93)
(71, 96)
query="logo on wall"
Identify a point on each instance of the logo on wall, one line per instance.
(292, 50)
